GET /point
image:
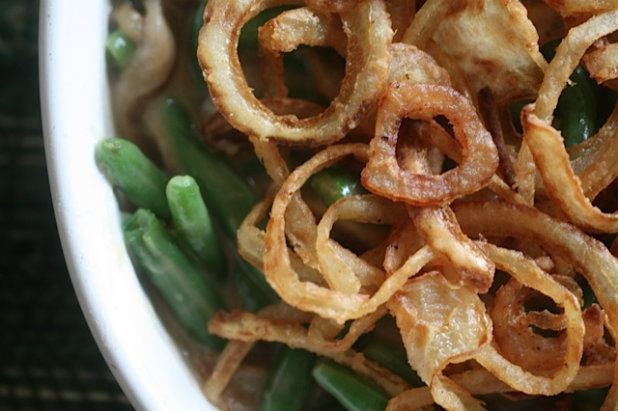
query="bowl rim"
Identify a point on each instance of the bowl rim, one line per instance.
(75, 107)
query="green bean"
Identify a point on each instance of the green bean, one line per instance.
(226, 195)
(606, 103)
(129, 170)
(333, 183)
(256, 293)
(289, 381)
(354, 392)
(515, 109)
(192, 296)
(392, 358)
(120, 48)
(589, 399)
(576, 113)
(198, 22)
(192, 221)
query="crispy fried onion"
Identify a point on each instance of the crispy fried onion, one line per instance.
(481, 382)
(227, 364)
(307, 296)
(588, 256)
(545, 142)
(383, 176)
(368, 32)
(595, 161)
(333, 6)
(492, 42)
(518, 341)
(441, 231)
(440, 325)
(248, 328)
(561, 183)
(404, 241)
(413, 66)
(568, 8)
(342, 269)
(220, 135)
(301, 226)
(230, 359)
(402, 14)
(289, 30)
(435, 135)
(602, 63)
(147, 70)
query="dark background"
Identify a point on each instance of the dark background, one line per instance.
(48, 358)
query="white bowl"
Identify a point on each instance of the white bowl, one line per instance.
(76, 115)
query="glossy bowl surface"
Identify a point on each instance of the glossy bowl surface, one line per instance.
(150, 367)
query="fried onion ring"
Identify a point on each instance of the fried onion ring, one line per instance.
(308, 296)
(289, 30)
(342, 269)
(528, 273)
(561, 183)
(481, 382)
(383, 176)
(440, 229)
(576, 8)
(568, 54)
(247, 327)
(367, 27)
(589, 256)
(514, 336)
(602, 64)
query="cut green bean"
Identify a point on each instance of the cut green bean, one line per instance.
(120, 48)
(189, 293)
(256, 293)
(333, 183)
(353, 391)
(515, 109)
(227, 196)
(606, 102)
(289, 381)
(576, 113)
(393, 359)
(589, 400)
(198, 22)
(192, 221)
(129, 170)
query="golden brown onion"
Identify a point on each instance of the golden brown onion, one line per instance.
(481, 382)
(578, 8)
(491, 42)
(308, 296)
(586, 254)
(368, 31)
(383, 176)
(561, 183)
(602, 64)
(342, 269)
(289, 30)
(439, 325)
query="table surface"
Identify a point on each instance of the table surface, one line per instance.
(48, 358)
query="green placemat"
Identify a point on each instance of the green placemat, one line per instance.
(48, 358)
